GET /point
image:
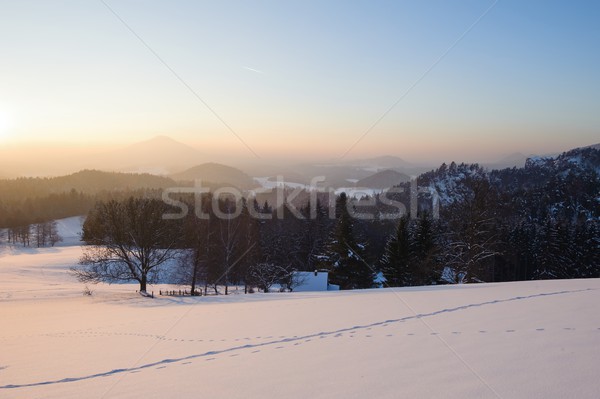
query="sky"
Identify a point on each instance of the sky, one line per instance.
(423, 80)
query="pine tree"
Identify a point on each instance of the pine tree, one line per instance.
(587, 250)
(345, 259)
(423, 265)
(397, 255)
(555, 252)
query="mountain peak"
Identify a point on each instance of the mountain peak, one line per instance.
(160, 139)
(162, 143)
(160, 153)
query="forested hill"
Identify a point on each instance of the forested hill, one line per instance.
(85, 182)
(25, 201)
(562, 187)
(538, 221)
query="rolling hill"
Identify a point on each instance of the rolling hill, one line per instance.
(384, 179)
(216, 173)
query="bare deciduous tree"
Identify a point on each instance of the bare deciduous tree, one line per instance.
(266, 274)
(473, 239)
(127, 240)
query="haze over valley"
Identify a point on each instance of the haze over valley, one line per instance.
(332, 199)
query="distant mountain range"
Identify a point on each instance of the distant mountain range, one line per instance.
(513, 160)
(164, 156)
(160, 155)
(378, 163)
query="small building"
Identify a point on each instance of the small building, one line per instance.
(313, 281)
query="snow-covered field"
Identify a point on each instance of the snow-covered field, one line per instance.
(512, 340)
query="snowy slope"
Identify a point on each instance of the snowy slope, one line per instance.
(70, 230)
(537, 339)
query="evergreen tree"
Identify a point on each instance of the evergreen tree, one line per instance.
(344, 258)
(397, 255)
(423, 264)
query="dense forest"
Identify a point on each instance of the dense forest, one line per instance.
(467, 224)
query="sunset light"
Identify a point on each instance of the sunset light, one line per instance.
(299, 199)
(4, 125)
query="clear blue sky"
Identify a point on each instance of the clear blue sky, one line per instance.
(305, 77)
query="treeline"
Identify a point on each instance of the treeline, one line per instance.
(28, 201)
(459, 223)
(88, 182)
(38, 234)
(29, 205)
(220, 242)
(537, 222)
(246, 243)
(26, 211)
(471, 225)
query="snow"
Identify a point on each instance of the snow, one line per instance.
(537, 339)
(267, 183)
(70, 230)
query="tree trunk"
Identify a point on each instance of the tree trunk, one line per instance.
(194, 280)
(143, 283)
